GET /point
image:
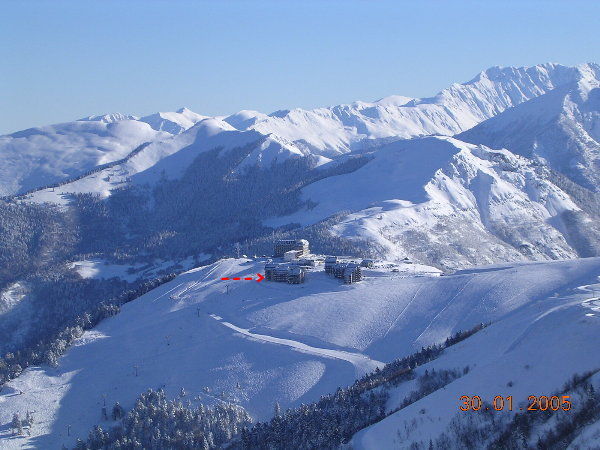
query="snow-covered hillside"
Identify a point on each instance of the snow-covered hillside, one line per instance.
(257, 343)
(437, 200)
(447, 203)
(169, 158)
(41, 156)
(522, 354)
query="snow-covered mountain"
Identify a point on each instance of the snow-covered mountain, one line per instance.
(41, 156)
(169, 158)
(173, 122)
(461, 205)
(560, 128)
(258, 343)
(46, 155)
(108, 118)
(500, 170)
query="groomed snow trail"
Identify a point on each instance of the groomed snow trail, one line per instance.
(362, 363)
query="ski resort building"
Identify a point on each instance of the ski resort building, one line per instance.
(281, 273)
(338, 269)
(350, 272)
(286, 245)
(285, 273)
(296, 275)
(330, 262)
(269, 270)
(307, 262)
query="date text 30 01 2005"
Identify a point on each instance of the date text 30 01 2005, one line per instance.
(500, 403)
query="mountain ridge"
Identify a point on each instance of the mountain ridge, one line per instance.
(323, 132)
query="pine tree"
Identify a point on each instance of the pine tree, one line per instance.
(16, 424)
(29, 419)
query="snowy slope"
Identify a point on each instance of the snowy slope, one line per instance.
(258, 343)
(339, 129)
(447, 203)
(525, 353)
(560, 128)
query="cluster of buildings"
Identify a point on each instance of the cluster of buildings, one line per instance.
(297, 260)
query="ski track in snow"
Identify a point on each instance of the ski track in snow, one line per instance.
(362, 363)
(403, 309)
(460, 290)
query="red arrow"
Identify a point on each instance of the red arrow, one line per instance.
(259, 279)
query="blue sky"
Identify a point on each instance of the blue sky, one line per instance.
(64, 60)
